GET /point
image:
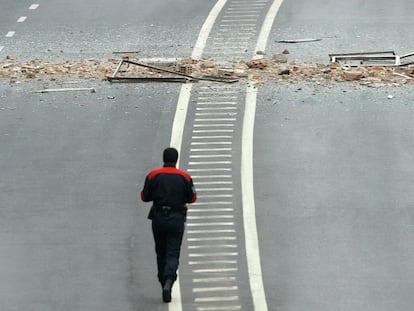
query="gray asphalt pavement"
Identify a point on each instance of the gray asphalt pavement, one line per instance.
(333, 170)
(74, 235)
(332, 166)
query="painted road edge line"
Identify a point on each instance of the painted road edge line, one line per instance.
(181, 114)
(247, 181)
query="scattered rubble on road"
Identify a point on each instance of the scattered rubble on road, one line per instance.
(277, 69)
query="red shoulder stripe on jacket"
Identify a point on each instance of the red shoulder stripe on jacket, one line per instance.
(168, 170)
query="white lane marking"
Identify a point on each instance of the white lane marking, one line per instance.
(208, 246)
(215, 108)
(1, 48)
(190, 232)
(225, 308)
(215, 299)
(206, 28)
(210, 176)
(214, 131)
(216, 113)
(214, 119)
(215, 183)
(249, 214)
(209, 162)
(212, 136)
(211, 203)
(22, 19)
(209, 262)
(10, 34)
(211, 217)
(267, 26)
(219, 238)
(215, 196)
(231, 254)
(214, 289)
(214, 279)
(211, 143)
(34, 6)
(209, 224)
(214, 125)
(181, 114)
(212, 270)
(224, 169)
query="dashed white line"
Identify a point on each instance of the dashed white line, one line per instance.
(22, 19)
(10, 34)
(34, 6)
(1, 48)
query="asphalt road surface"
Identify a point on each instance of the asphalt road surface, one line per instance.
(332, 166)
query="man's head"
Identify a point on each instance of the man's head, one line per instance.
(170, 155)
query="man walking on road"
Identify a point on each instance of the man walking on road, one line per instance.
(170, 189)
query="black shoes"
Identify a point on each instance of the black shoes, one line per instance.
(166, 290)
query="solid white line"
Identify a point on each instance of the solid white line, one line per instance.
(212, 136)
(211, 176)
(209, 162)
(209, 262)
(208, 246)
(222, 308)
(197, 210)
(215, 299)
(219, 238)
(212, 156)
(209, 210)
(267, 27)
(215, 108)
(214, 183)
(216, 113)
(10, 34)
(211, 143)
(214, 119)
(214, 125)
(215, 97)
(215, 196)
(181, 113)
(211, 231)
(249, 214)
(206, 28)
(218, 169)
(214, 289)
(212, 254)
(219, 270)
(214, 279)
(34, 6)
(215, 189)
(22, 19)
(198, 224)
(211, 217)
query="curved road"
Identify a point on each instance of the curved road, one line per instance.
(332, 167)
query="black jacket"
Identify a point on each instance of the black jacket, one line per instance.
(169, 186)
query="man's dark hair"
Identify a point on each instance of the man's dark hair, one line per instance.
(170, 155)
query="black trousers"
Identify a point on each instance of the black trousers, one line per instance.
(168, 231)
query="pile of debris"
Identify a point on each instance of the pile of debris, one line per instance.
(275, 69)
